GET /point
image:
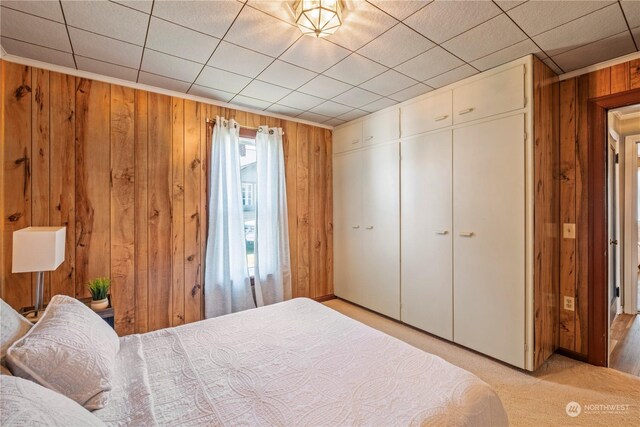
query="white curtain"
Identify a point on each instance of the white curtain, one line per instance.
(227, 284)
(273, 268)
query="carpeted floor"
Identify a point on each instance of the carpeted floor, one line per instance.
(537, 399)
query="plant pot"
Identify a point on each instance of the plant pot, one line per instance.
(101, 304)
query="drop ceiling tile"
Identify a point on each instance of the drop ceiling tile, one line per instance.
(553, 66)
(411, 92)
(536, 17)
(356, 97)
(141, 5)
(632, 12)
(31, 29)
(362, 23)
(180, 41)
(169, 66)
(486, 38)
(283, 109)
(207, 92)
(399, 9)
(314, 54)
(396, 46)
(222, 80)
(592, 53)
(507, 54)
(213, 18)
(287, 75)
(355, 69)
(379, 105)
(334, 122)
(452, 76)
(442, 20)
(44, 9)
(162, 82)
(106, 69)
(265, 91)
(105, 49)
(509, 4)
(263, 33)
(429, 64)
(636, 35)
(27, 50)
(280, 9)
(353, 114)
(388, 83)
(313, 117)
(324, 87)
(245, 101)
(331, 109)
(600, 24)
(107, 18)
(300, 100)
(239, 60)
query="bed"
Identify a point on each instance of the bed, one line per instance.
(294, 363)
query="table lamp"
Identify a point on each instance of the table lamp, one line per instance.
(38, 249)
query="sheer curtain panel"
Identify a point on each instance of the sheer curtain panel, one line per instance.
(227, 283)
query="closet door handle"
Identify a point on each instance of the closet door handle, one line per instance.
(465, 111)
(443, 232)
(355, 227)
(369, 138)
(466, 234)
(441, 118)
(355, 141)
(369, 227)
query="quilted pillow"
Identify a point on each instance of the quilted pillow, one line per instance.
(25, 403)
(70, 350)
(13, 326)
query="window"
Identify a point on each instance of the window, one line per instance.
(248, 175)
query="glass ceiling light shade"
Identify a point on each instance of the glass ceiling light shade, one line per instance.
(319, 18)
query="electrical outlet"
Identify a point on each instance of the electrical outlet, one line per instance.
(569, 231)
(569, 303)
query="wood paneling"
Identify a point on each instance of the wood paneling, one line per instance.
(575, 94)
(547, 211)
(126, 171)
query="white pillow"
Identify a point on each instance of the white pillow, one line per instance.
(25, 403)
(71, 350)
(13, 326)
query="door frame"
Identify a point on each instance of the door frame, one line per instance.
(630, 283)
(598, 146)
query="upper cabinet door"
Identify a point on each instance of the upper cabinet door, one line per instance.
(348, 137)
(381, 127)
(489, 238)
(428, 114)
(499, 93)
(426, 197)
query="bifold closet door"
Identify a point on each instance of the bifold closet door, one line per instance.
(426, 197)
(347, 226)
(489, 238)
(381, 228)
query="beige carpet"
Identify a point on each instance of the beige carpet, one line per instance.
(537, 399)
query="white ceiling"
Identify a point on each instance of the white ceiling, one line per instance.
(249, 53)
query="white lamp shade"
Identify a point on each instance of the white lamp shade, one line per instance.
(38, 249)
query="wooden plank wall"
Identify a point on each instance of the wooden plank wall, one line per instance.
(574, 191)
(547, 210)
(126, 171)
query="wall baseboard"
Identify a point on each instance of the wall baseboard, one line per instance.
(324, 298)
(572, 354)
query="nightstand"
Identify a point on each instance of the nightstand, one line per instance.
(106, 314)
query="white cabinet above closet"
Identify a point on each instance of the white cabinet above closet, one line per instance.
(434, 112)
(382, 127)
(348, 137)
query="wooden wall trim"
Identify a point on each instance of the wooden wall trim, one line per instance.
(127, 171)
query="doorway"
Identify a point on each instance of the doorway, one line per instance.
(623, 216)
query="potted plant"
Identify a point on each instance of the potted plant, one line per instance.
(99, 289)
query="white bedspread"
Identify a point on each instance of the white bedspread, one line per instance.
(297, 363)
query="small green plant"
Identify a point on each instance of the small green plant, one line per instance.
(99, 288)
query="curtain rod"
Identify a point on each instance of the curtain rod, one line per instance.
(213, 122)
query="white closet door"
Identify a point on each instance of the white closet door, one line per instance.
(489, 238)
(381, 233)
(347, 226)
(426, 197)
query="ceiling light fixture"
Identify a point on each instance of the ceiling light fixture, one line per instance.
(319, 18)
